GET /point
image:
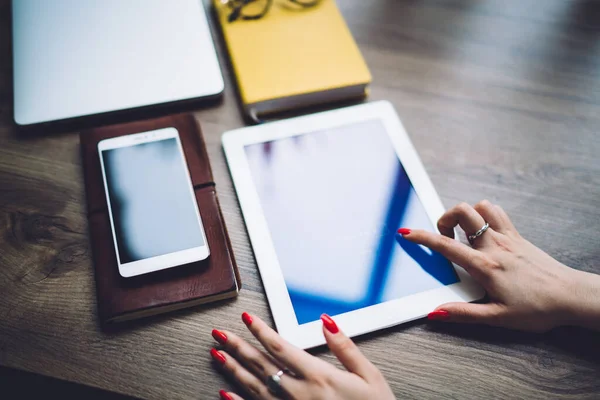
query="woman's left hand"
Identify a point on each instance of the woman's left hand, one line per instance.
(305, 376)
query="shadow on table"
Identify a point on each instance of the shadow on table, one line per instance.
(17, 384)
(571, 341)
(577, 342)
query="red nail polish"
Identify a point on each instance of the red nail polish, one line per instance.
(219, 336)
(224, 395)
(404, 231)
(438, 315)
(247, 319)
(329, 324)
(220, 358)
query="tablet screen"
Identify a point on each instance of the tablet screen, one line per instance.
(333, 201)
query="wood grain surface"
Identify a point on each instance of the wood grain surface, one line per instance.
(502, 101)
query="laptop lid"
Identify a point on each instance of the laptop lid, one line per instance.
(74, 58)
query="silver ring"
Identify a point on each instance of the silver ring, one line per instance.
(274, 383)
(478, 233)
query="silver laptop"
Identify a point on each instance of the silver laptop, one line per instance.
(74, 58)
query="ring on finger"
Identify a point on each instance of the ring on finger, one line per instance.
(478, 233)
(273, 383)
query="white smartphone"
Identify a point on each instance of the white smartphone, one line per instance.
(153, 211)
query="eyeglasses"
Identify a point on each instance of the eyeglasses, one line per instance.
(256, 9)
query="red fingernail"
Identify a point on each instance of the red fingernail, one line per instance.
(329, 324)
(404, 231)
(224, 395)
(220, 358)
(247, 319)
(219, 336)
(438, 315)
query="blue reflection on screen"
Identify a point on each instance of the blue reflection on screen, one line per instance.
(152, 209)
(333, 201)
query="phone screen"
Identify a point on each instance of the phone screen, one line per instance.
(152, 209)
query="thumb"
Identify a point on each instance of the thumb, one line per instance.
(346, 351)
(467, 313)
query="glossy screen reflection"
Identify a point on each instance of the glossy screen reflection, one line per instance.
(151, 206)
(333, 201)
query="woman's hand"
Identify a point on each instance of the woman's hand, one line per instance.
(528, 289)
(306, 377)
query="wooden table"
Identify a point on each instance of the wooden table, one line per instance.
(502, 101)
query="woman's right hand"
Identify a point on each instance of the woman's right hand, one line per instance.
(528, 289)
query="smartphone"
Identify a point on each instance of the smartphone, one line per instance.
(151, 203)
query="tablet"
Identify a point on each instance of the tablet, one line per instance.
(323, 196)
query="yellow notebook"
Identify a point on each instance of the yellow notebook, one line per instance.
(293, 57)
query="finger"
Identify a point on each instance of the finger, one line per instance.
(463, 215)
(506, 221)
(229, 396)
(490, 214)
(256, 361)
(298, 361)
(247, 380)
(346, 351)
(467, 313)
(470, 259)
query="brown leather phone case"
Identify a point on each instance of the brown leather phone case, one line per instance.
(212, 279)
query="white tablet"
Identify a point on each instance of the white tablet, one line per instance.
(323, 196)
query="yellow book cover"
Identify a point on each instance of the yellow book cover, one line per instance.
(293, 57)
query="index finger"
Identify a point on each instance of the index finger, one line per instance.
(465, 256)
(297, 360)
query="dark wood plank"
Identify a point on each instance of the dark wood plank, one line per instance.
(501, 99)
(27, 386)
